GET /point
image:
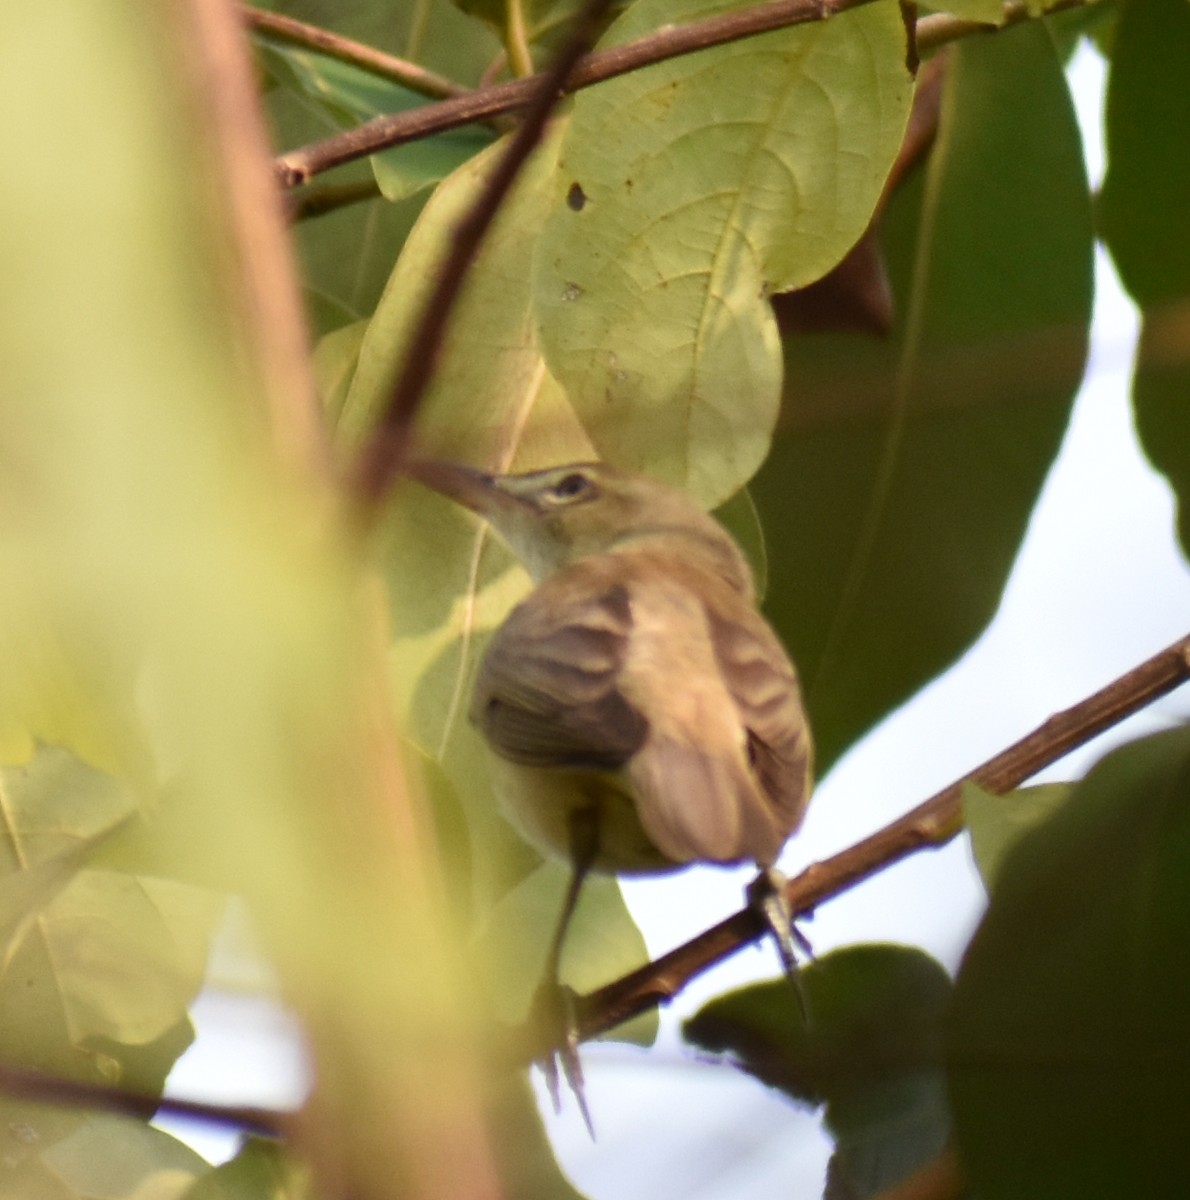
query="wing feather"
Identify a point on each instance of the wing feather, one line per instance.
(546, 695)
(764, 687)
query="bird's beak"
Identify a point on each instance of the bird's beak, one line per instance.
(473, 489)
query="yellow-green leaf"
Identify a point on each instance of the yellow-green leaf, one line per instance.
(688, 192)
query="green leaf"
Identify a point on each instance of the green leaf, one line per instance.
(740, 518)
(871, 1052)
(335, 360)
(1146, 192)
(1068, 1037)
(110, 1158)
(991, 11)
(686, 193)
(352, 96)
(261, 1170)
(1146, 196)
(128, 954)
(55, 811)
(996, 823)
(431, 32)
(602, 944)
(906, 470)
(523, 1152)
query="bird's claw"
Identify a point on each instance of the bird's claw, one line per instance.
(766, 894)
(554, 1012)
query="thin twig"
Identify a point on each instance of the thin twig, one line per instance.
(298, 166)
(381, 458)
(939, 29)
(318, 201)
(37, 1088)
(930, 824)
(356, 54)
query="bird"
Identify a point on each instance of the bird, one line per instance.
(641, 712)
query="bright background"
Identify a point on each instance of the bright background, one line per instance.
(1099, 585)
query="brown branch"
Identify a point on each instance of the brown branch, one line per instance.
(940, 29)
(38, 1088)
(382, 457)
(930, 824)
(356, 54)
(317, 201)
(298, 166)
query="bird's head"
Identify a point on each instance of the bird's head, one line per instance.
(554, 517)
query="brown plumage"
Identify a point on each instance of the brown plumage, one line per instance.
(644, 676)
(642, 713)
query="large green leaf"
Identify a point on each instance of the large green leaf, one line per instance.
(871, 1053)
(686, 193)
(1068, 1041)
(902, 480)
(1146, 197)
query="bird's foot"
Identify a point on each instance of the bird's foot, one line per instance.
(553, 1012)
(766, 894)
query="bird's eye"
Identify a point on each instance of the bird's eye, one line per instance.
(571, 486)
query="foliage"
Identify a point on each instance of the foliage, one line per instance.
(206, 662)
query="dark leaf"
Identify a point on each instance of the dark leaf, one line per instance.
(904, 473)
(1069, 1045)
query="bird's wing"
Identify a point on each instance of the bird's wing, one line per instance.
(763, 685)
(546, 695)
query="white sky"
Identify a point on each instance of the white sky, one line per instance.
(1099, 585)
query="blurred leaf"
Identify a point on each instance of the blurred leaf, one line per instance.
(261, 1170)
(996, 823)
(110, 1158)
(871, 1052)
(352, 96)
(740, 518)
(686, 193)
(991, 11)
(1145, 198)
(905, 472)
(602, 944)
(346, 253)
(127, 954)
(152, 516)
(1068, 1038)
(527, 1163)
(54, 812)
(433, 33)
(547, 22)
(1146, 192)
(335, 360)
